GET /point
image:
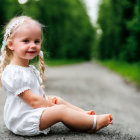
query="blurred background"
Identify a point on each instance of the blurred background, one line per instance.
(106, 31)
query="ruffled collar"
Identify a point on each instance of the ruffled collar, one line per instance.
(18, 66)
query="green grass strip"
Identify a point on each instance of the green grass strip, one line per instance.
(131, 72)
(61, 62)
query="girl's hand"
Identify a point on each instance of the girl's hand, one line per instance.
(53, 100)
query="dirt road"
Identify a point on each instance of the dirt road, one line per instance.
(90, 86)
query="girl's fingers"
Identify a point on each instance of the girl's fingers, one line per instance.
(54, 100)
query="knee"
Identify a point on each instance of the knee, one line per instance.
(63, 109)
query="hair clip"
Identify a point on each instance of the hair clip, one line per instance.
(41, 53)
(8, 32)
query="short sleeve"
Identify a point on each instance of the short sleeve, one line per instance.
(16, 80)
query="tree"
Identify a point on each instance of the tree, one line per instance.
(69, 33)
(132, 47)
(115, 16)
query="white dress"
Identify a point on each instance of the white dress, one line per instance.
(19, 117)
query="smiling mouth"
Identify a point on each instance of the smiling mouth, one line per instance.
(31, 52)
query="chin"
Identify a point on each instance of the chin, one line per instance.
(30, 58)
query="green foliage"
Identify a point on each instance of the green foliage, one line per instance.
(2, 18)
(133, 41)
(130, 72)
(69, 33)
(61, 62)
(120, 24)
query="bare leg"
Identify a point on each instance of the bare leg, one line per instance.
(73, 119)
(62, 101)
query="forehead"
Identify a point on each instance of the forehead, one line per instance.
(28, 29)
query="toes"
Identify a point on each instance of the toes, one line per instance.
(111, 120)
(91, 112)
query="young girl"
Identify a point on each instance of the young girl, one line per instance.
(27, 110)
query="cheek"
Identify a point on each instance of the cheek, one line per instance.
(38, 48)
(23, 50)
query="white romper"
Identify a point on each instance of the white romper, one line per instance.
(19, 117)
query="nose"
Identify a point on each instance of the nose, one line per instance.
(32, 45)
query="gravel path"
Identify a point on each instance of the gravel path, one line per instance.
(89, 86)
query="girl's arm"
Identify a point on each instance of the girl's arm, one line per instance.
(34, 100)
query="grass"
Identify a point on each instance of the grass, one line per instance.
(61, 62)
(58, 62)
(131, 72)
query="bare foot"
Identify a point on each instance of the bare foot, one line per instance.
(91, 112)
(101, 122)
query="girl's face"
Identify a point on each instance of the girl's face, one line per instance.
(26, 42)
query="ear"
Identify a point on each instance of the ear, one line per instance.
(10, 45)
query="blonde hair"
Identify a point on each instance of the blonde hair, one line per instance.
(7, 53)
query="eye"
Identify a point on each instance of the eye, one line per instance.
(37, 41)
(26, 41)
